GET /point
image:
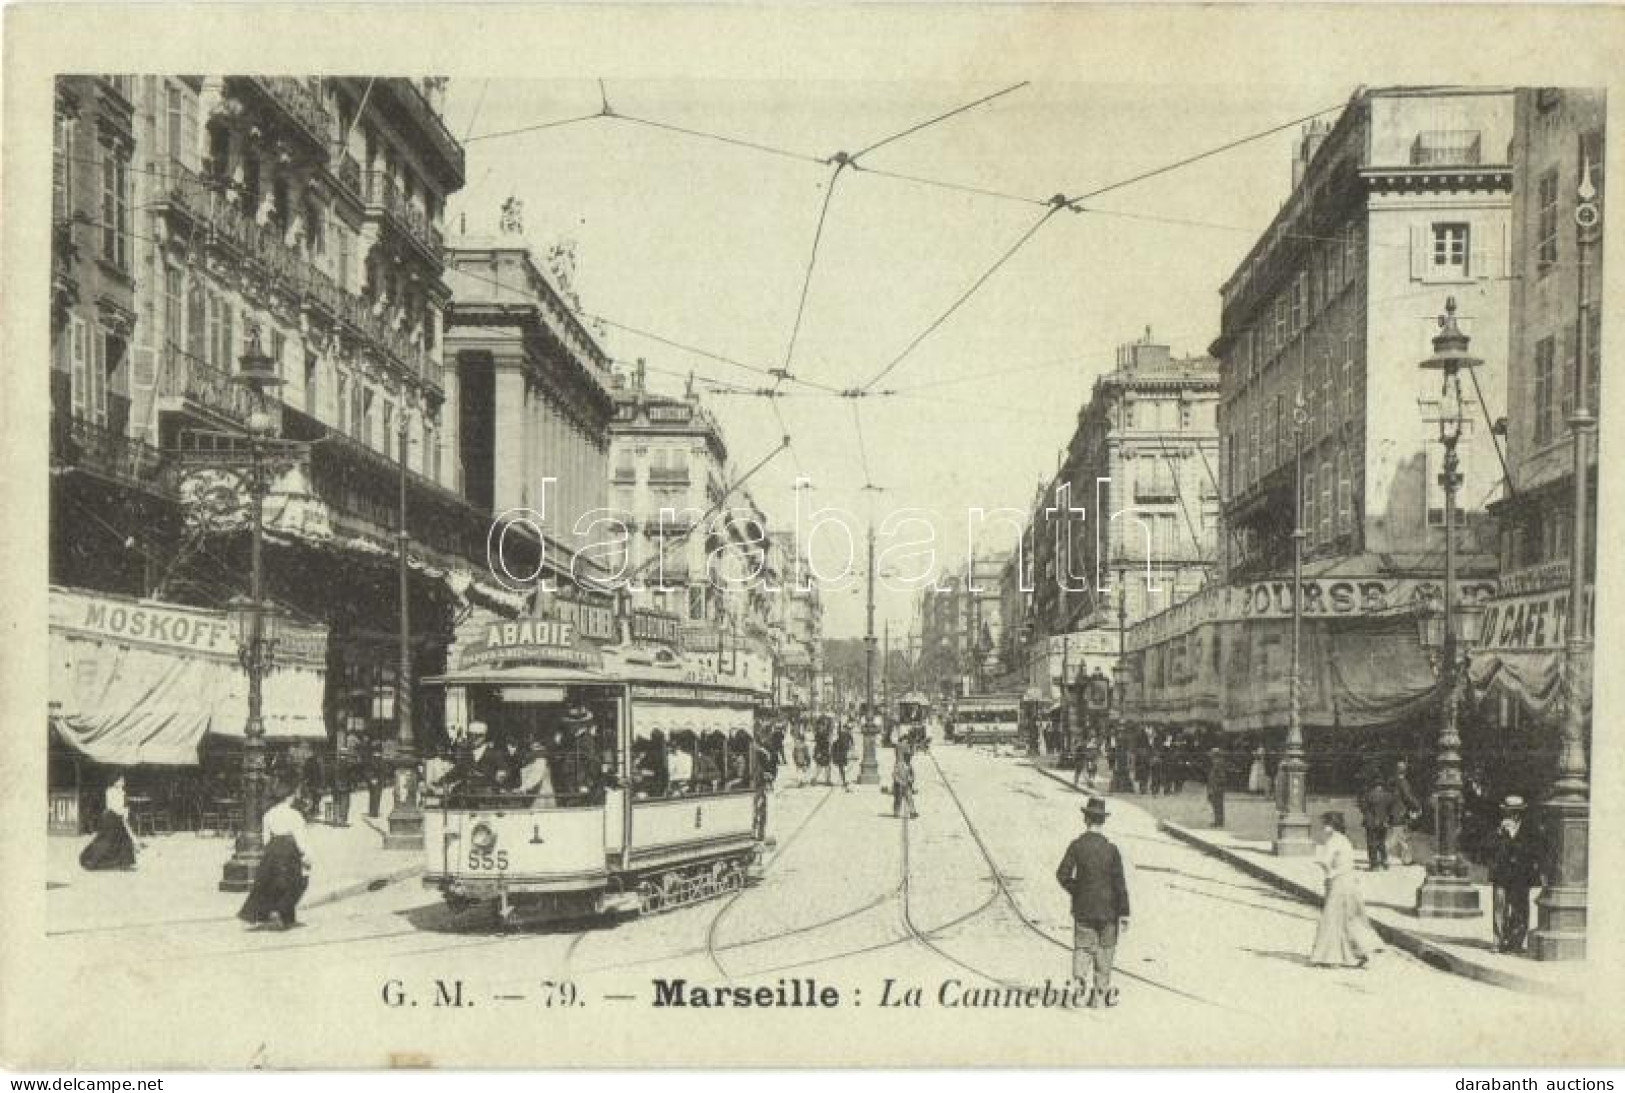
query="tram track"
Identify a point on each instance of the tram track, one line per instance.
(1009, 898)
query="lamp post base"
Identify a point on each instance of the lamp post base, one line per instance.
(240, 869)
(1561, 934)
(1292, 838)
(869, 767)
(406, 818)
(1444, 896)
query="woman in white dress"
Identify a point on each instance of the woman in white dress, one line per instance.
(284, 870)
(1344, 938)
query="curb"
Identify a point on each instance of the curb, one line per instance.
(365, 885)
(1432, 953)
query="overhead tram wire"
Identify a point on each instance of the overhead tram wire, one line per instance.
(911, 130)
(1074, 204)
(840, 161)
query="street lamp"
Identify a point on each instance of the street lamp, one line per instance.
(1446, 891)
(256, 372)
(869, 767)
(406, 818)
(1292, 838)
(1563, 905)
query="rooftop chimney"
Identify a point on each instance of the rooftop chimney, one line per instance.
(1309, 142)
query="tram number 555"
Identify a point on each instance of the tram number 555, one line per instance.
(484, 861)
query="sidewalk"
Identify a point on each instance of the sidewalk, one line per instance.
(1462, 946)
(177, 876)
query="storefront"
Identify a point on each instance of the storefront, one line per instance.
(155, 690)
(1222, 661)
(1518, 677)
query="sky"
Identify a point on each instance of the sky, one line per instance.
(708, 243)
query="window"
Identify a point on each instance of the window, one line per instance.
(175, 121)
(1348, 377)
(1280, 321)
(388, 437)
(62, 169)
(1545, 400)
(358, 424)
(696, 602)
(279, 345)
(1282, 426)
(1184, 415)
(1450, 249)
(1299, 292)
(1345, 493)
(115, 207)
(310, 383)
(1328, 271)
(79, 364)
(105, 358)
(367, 433)
(197, 318)
(1128, 413)
(1546, 242)
(1351, 252)
(1326, 515)
(342, 416)
(1252, 450)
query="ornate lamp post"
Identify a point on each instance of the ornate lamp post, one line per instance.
(1292, 820)
(1561, 930)
(869, 767)
(256, 622)
(406, 818)
(1446, 891)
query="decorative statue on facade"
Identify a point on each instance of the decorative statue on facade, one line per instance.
(512, 221)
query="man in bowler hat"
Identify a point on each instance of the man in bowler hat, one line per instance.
(1515, 868)
(1092, 873)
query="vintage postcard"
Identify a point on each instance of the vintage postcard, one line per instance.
(895, 536)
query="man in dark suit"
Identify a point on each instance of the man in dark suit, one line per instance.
(1216, 783)
(1515, 868)
(1092, 872)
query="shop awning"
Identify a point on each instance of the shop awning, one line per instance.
(136, 682)
(1521, 653)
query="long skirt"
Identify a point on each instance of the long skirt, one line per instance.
(1344, 937)
(112, 848)
(278, 884)
(1257, 779)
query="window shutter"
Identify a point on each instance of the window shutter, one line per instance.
(80, 377)
(1478, 257)
(1419, 253)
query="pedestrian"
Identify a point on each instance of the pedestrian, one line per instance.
(1091, 871)
(342, 783)
(1515, 868)
(314, 773)
(1344, 937)
(1258, 782)
(114, 844)
(1407, 808)
(821, 757)
(902, 783)
(284, 869)
(1083, 763)
(1216, 784)
(800, 753)
(1156, 769)
(376, 773)
(841, 753)
(1376, 811)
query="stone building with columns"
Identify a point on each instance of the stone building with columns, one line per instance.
(534, 395)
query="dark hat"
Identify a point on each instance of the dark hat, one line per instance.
(1095, 810)
(576, 717)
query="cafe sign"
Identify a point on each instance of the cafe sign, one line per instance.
(1538, 621)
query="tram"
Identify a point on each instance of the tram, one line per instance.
(988, 719)
(639, 790)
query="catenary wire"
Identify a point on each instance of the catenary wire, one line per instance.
(939, 118)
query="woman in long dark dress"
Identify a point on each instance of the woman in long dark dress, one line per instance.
(284, 870)
(114, 845)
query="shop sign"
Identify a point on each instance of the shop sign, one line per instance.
(658, 627)
(531, 641)
(128, 621)
(593, 621)
(1532, 622)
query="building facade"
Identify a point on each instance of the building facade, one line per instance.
(1398, 208)
(1554, 366)
(534, 398)
(204, 219)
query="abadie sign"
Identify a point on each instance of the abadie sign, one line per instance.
(531, 641)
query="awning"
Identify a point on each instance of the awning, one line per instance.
(670, 718)
(1521, 652)
(134, 682)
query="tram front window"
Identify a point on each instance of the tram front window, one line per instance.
(521, 752)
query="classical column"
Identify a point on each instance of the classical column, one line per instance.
(510, 452)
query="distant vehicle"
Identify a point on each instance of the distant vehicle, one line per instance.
(987, 719)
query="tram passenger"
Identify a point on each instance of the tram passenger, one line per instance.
(512, 758)
(740, 746)
(651, 770)
(708, 762)
(681, 761)
(479, 764)
(535, 779)
(583, 776)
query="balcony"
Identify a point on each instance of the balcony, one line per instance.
(1447, 148)
(203, 386)
(668, 476)
(383, 193)
(85, 445)
(405, 97)
(346, 172)
(205, 205)
(300, 103)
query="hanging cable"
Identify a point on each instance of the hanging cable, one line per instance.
(531, 128)
(940, 117)
(806, 280)
(719, 137)
(1009, 253)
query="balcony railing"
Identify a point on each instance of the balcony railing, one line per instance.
(298, 98)
(382, 192)
(79, 442)
(228, 224)
(183, 376)
(1447, 148)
